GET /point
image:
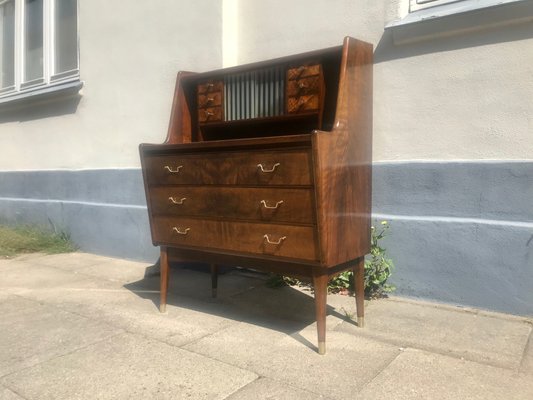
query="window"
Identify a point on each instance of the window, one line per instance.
(38, 45)
(430, 19)
(415, 5)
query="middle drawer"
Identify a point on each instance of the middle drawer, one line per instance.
(259, 204)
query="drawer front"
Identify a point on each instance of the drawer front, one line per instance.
(210, 86)
(210, 100)
(304, 86)
(303, 71)
(261, 204)
(210, 114)
(257, 168)
(303, 103)
(278, 240)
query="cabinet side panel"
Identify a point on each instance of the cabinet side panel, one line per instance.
(343, 162)
(180, 127)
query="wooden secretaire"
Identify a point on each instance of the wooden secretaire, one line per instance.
(268, 166)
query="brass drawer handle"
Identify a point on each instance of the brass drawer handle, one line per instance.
(180, 232)
(174, 201)
(281, 239)
(268, 170)
(174, 171)
(209, 113)
(209, 100)
(264, 203)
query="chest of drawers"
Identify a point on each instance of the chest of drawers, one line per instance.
(268, 166)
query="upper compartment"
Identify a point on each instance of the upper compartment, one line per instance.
(285, 96)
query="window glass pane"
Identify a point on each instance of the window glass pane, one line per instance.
(7, 44)
(33, 38)
(66, 36)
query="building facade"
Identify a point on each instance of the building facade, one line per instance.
(84, 82)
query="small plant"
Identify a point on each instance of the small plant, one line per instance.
(26, 239)
(378, 269)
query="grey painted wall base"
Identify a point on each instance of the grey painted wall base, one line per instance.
(461, 233)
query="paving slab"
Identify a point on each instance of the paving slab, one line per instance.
(196, 284)
(6, 394)
(126, 310)
(265, 388)
(20, 276)
(417, 374)
(116, 270)
(350, 361)
(484, 337)
(66, 261)
(33, 332)
(129, 367)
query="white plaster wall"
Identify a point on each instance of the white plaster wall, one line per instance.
(465, 97)
(460, 98)
(130, 53)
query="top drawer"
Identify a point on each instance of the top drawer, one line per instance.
(303, 71)
(210, 87)
(236, 168)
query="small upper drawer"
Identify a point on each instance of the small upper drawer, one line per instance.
(210, 114)
(304, 86)
(303, 103)
(210, 99)
(210, 86)
(232, 168)
(303, 71)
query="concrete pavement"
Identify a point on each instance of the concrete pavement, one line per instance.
(81, 326)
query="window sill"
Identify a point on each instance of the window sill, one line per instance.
(42, 94)
(458, 18)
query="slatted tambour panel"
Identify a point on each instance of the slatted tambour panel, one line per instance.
(254, 94)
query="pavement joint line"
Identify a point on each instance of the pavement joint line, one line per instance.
(14, 391)
(25, 289)
(52, 266)
(529, 344)
(80, 270)
(385, 366)
(154, 339)
(300, 388)
(123, 329)
(193, 341)
(450, 353)
(2, 377)
(259, 377)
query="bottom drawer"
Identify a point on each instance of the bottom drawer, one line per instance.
(280, 240)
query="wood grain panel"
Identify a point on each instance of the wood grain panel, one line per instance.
(210, 114)
(210, 99)
(261, 204)
(343, 157)
(210, 86)
(303, 71)
(294, 241)
(287, 168)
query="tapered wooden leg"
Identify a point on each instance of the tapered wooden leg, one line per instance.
(163, 264)
(214, 280)
(359, 277)
(320, 282)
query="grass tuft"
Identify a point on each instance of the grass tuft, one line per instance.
(26, 239)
